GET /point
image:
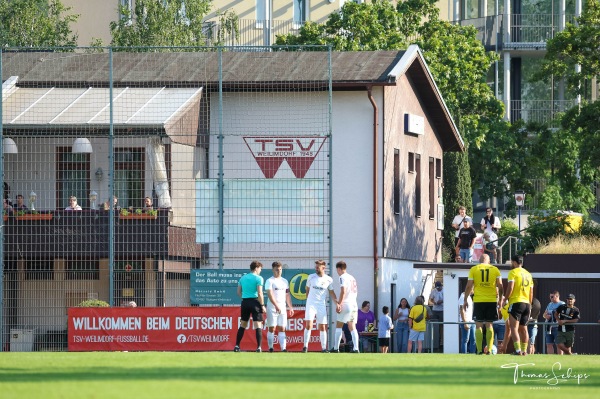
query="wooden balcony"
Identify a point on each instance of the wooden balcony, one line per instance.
(85, 234)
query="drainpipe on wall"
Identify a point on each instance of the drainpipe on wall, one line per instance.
(375, 199)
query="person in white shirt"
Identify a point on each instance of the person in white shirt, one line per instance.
(278, 292)
(347, 307)
(490, 223)
(317, 286)
(73, 206)
(467, 331)
(385, 330)
(457, 222)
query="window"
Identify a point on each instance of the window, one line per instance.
(396, 181)
(83, 270)
(129, 176)
(438, 168)
(39, 270)
(411, 162)
(261, 13)
(300, 12)
(72, 177)
(432, 183)
(418, 185)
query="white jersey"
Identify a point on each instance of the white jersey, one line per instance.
(319, 288)
(278, 287)
(350, 289)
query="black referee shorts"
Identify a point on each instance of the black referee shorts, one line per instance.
(251, 307)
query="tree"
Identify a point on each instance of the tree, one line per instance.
(577, 45)
(457, 192)
(161, 23)
(36, 23)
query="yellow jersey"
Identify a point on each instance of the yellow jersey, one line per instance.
(523, 282)
(484, 282)
(415, 312)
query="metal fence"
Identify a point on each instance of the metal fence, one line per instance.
(125, 172)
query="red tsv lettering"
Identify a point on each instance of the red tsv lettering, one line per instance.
(269, 153)
(283, 144)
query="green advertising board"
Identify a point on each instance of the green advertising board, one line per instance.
(219, 287)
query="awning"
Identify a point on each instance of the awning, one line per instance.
(145, 111)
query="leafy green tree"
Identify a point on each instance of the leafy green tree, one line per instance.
(36, 23)
(161, 23)
(457, 192)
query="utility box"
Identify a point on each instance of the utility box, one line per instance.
(21, 340)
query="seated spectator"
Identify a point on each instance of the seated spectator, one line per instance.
(116, 206)
(73, 206)
(148, 204)
(7, 208)
(490, 245)
(20, 205)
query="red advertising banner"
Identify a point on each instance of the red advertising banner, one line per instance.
(172, 329)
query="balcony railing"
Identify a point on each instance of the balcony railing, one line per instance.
(250, 32)
(541, 111)
(535, 28)
(489, 30)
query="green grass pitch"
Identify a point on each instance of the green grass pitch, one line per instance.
(135, 375)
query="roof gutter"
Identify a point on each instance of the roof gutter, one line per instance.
(375, 196)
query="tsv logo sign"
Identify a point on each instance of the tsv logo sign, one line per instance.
(299, 152)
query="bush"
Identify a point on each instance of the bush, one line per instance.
(93, 303)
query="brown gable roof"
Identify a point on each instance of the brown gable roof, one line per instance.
(241, 70)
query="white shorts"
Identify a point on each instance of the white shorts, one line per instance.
(320, 311)
(349, 313)
(274, 318)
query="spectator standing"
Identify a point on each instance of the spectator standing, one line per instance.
(73, 206)
(148, 204)
(490, 223)
(8, 209)
(566, 315)
(250, 289)
(402, 329)
(486, 283)
(436, 300)
(519, 295)
(417, 321)
(552, 330)
(457, 222)
(365, 317)
(467, 330)
(386, 326)
(466, 241)
(532, 327)
(490, 245)
(20, 205)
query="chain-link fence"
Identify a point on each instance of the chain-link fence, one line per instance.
(145, 176)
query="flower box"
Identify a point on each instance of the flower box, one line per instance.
(138, 217)
(36, 216)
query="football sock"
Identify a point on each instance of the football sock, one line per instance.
(306, 337)
(489, 335)
(479, 340)
(338, 338)
(355, 338)
(282, 340)
(517, 346)
(523, 346)
(259, 337)
(323, 336)
(270, 339)
(240, 335)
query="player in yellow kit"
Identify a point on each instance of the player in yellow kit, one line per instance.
(486, 283)
(519, 294)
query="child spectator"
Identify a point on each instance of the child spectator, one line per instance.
(385, 327)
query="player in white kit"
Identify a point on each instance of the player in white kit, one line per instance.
(347, 307)
(278, 292)
(317, 286)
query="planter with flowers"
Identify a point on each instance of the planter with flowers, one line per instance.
(32, 215)
(138, 214)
